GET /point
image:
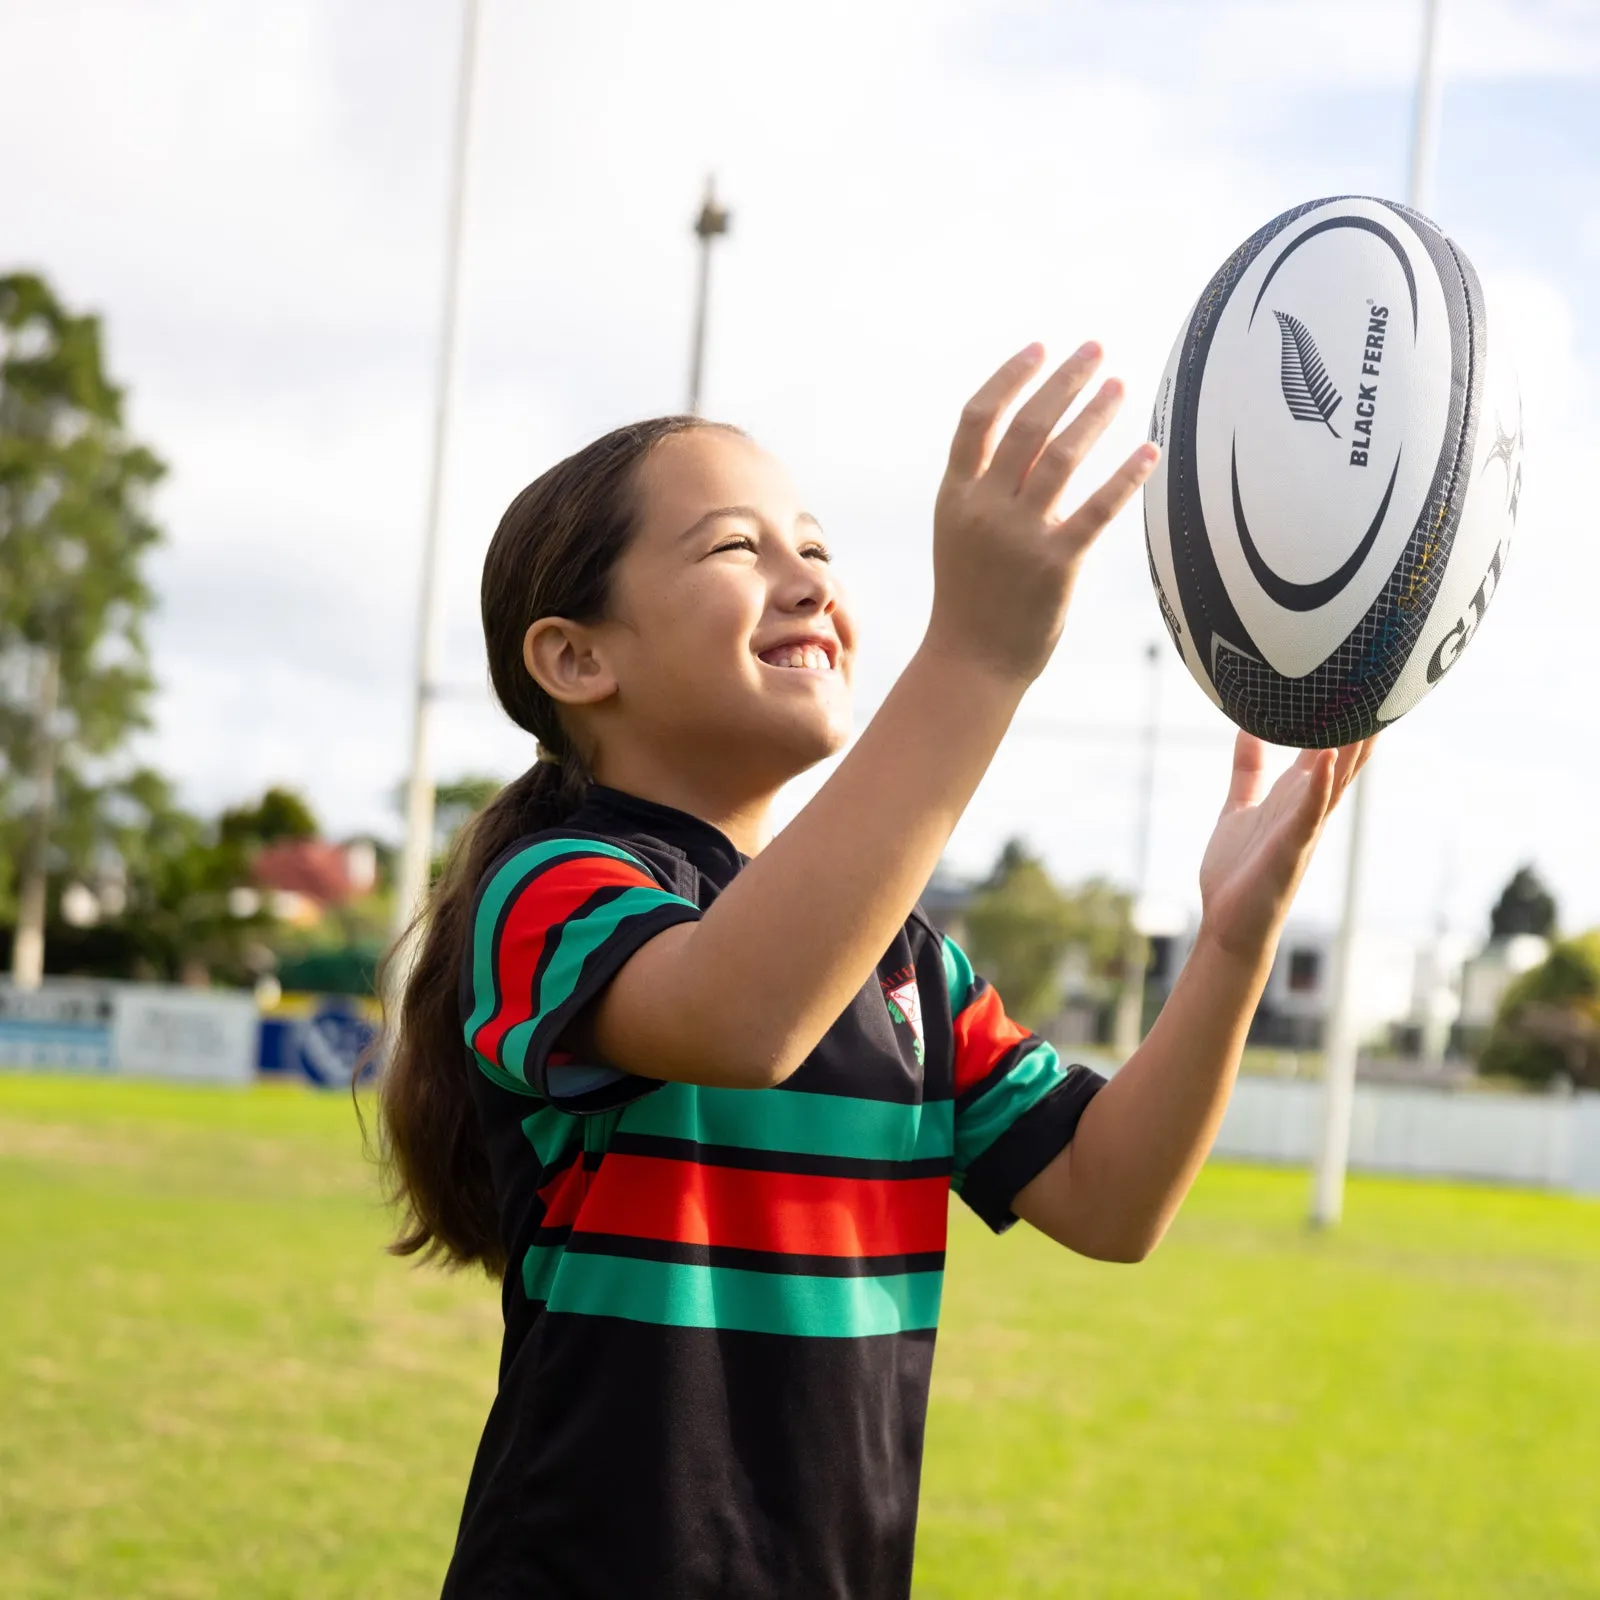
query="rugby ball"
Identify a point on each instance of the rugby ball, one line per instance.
(1341, 465)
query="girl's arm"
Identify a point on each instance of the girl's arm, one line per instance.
(742, 996)
(1112, 1192)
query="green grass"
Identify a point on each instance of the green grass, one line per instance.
(213, 1383)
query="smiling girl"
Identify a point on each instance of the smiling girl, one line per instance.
(701, 1092)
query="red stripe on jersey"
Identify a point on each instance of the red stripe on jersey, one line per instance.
(650, 1197)
(544, 905)
(563, 1196)
(983, 1034)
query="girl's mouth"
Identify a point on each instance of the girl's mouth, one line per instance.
(812, 655)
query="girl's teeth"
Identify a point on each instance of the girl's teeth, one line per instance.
(812, 656)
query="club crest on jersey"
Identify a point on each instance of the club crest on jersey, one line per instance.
(905, 1008)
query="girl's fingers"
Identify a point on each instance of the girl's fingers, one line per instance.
(1084, 525)
(1060, 458)
(1249, 778)
(1305, 812)
(1032, 426)
(1351, 759)
(1346, 759)
(973, 443)
(1323, 789)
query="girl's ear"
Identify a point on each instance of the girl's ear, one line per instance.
(561, 658)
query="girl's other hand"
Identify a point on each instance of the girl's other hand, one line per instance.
(1264, 840)
(1004, 558)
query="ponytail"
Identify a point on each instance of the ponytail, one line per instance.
(430, 1149)
(552, 556)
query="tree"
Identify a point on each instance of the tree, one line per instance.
(1549, 1018)
(278, 814)
(457, 801)
(1021, 924)
(164, 894)
(74, 531)
(1525, 906)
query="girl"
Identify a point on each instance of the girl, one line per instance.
(700, 1093)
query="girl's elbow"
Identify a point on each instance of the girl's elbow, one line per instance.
(1129, 1253)
(1126, 1248)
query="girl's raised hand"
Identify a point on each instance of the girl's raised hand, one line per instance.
(1004, 558)
(1264, 840)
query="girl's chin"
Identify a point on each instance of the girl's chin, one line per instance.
(805, 743)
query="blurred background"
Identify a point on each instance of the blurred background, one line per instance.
(230, 238)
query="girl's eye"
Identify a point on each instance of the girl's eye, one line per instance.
(740, 541)
(816, 552)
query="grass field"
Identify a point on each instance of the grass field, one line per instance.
(213, 1384)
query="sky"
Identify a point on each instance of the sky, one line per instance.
(254, 198)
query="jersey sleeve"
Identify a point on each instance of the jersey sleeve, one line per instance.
(554, 921)
(1017, 1105)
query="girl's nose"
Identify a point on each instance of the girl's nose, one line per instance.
(808, 586)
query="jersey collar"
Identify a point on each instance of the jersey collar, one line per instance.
(708, 848)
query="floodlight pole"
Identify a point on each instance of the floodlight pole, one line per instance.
(417, 852)
(1341, 1041)
(1129, 1022)
(709, 226)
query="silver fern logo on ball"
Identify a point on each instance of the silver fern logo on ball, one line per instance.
(1308, 391)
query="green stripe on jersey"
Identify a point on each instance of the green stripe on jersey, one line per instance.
(550, 1131)
(795, 1122)
(1022, 1088)
(577, 939)
(958, 975)
(677, 1295)
(500, 889)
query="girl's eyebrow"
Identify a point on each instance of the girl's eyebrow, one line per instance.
(748, 513)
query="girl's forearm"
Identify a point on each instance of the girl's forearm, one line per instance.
(745, 994)
(1114, 1190)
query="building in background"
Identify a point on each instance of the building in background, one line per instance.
(1299, 994)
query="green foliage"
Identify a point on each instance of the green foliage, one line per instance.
(166, 881)
(171, 916)
(1021, 925)
(1525, 906)
(457, 801)
(278, 814)
(1549, 1018)
(74, 532)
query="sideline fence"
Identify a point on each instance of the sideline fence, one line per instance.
(1546, 1141)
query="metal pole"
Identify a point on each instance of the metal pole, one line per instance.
(1341, 1042)
(27, 947)
(1130, 1000)
(1147, 787)
(1425, 118)
(711, 224)
(417, 853)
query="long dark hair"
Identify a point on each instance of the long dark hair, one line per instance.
(552, 555)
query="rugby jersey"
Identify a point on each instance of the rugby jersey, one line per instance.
(720, 1304)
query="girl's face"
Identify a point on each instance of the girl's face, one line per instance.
(729, 641)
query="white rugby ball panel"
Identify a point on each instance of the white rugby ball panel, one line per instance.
(1319, 420)
(1309, 513)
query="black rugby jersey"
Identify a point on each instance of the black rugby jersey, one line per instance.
(721, 1303)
